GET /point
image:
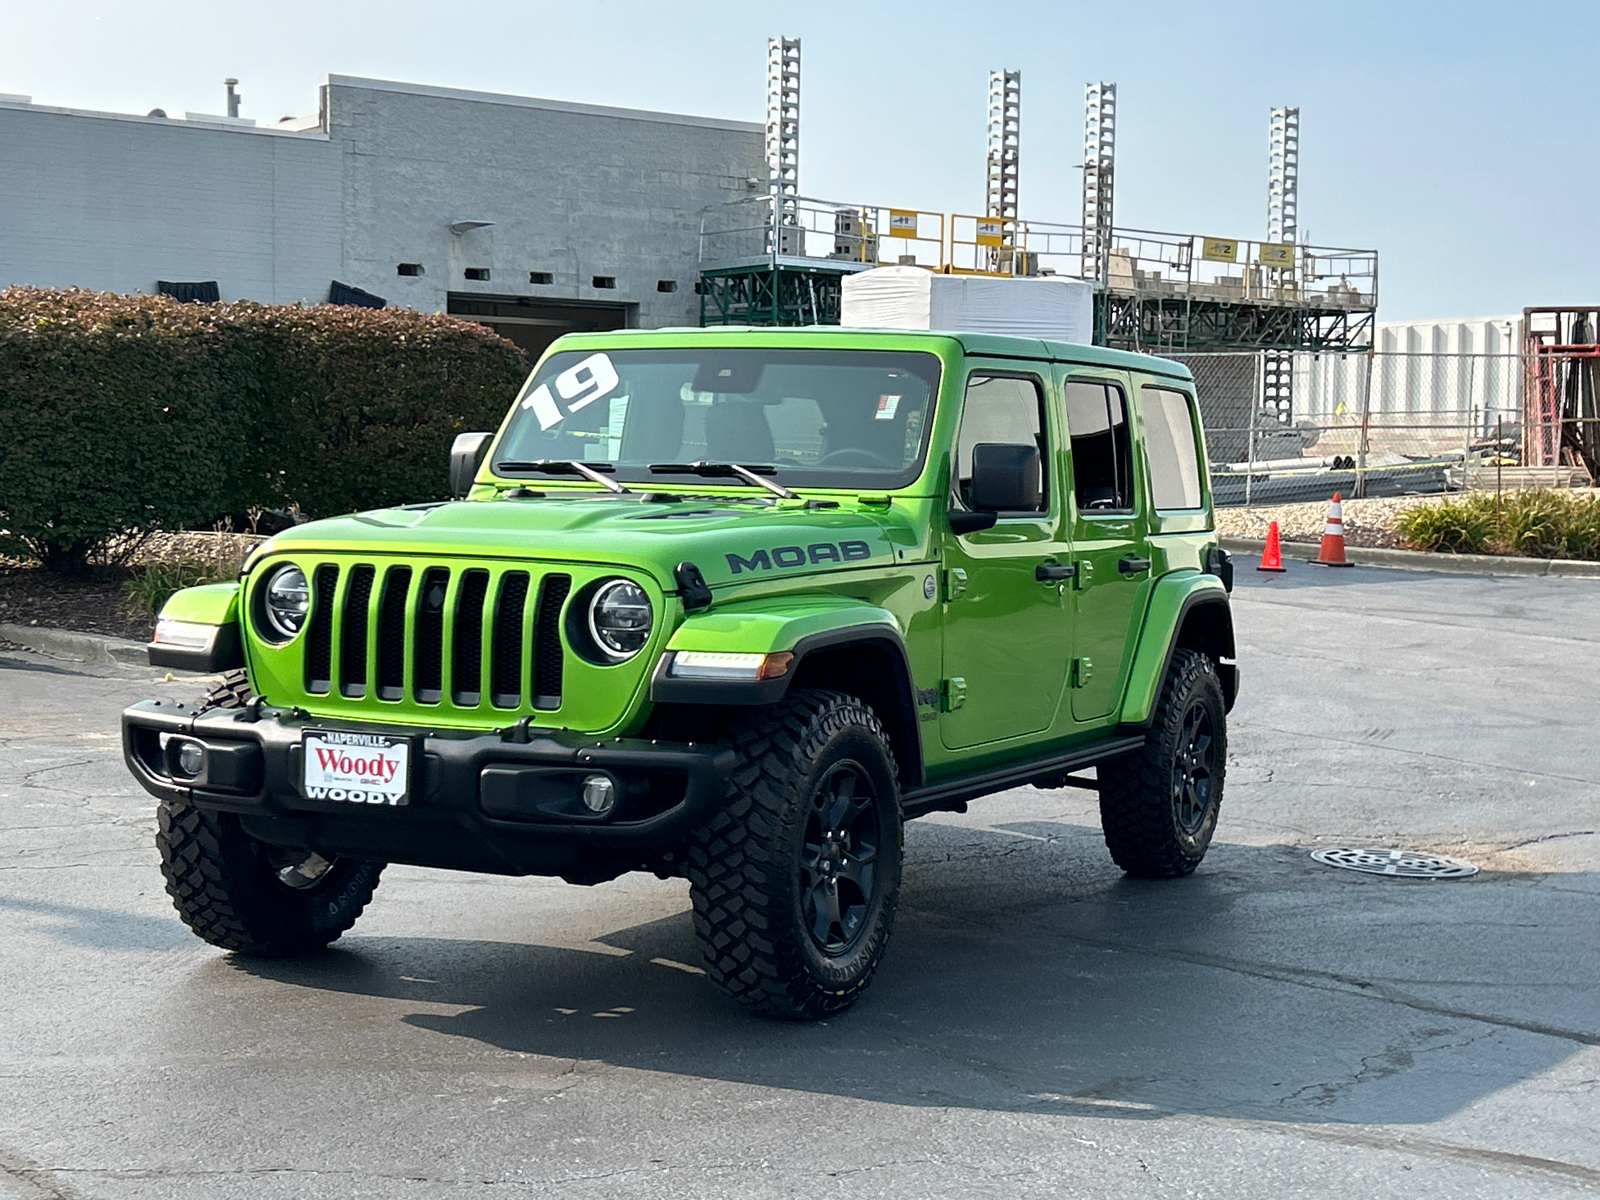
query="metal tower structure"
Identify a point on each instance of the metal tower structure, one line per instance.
(1283, 175)
(1099, 153)
(1005, 142)
(783, 135)
(1283, 194)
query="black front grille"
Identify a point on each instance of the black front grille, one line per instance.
(505, 641)
(547, 652)
(428, 665)
(392, 633)
(466, 667)
(503, 630)
(353, 633)
(319, 631)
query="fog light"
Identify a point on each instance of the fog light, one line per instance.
(190, 759)
(599, 794)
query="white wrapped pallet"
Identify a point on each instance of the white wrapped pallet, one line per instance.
(912, 298)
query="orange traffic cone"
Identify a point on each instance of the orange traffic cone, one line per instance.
(1271, 554)
(1331, 552)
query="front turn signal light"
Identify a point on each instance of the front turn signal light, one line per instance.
(707, 664)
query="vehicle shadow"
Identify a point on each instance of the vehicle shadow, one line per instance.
(1026, 974)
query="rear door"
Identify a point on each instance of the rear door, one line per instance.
(1109, 526)
(1006, 632)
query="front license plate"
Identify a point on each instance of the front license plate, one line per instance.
(357, 768)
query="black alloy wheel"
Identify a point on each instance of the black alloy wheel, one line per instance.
(795, 879)
(839, 859)
(1159, 804)
(1193, 770)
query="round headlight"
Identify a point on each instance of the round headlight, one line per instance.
(287, 600)
(620, 619)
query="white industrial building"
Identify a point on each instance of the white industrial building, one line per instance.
(1466, 370)
(534, 216)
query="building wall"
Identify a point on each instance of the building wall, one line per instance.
(114, 203)
(1460, 371)
(572, 190)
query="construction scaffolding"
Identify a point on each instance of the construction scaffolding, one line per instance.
(1561, 388)
(781, 258)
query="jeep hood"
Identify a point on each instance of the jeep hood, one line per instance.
(731, 539)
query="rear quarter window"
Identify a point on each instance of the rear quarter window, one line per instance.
(1170, 449)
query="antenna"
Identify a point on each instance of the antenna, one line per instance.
(1099, 153)
(1283, 175)
(783, 128)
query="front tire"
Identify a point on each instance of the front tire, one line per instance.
(242, 894)
(1159, 805)
(795, 881)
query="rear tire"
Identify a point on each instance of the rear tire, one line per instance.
(795, 881)
(242, 894)
(1159, 805)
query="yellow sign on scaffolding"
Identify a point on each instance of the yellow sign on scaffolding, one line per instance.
(902, 223)
(991, 232)
(1275, 254)
(1219, 249)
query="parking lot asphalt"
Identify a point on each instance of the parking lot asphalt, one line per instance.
(1041, 1026)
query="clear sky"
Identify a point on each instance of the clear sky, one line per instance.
(1458, 139)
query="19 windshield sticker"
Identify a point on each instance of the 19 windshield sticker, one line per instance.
(579, 386)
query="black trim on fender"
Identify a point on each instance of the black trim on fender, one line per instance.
(223, 653)
(666, 690)
(941, 797)
(1227, 672)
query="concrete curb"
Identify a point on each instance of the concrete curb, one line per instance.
(92, 649)
(1418, 560)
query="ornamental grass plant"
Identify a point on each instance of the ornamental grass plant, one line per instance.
(1539, 523)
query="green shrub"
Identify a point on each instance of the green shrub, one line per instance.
(1463, 526)
(120, 415)
(116, 414)
(361, 405)
(1538, 524)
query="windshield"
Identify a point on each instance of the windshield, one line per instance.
(821, 418)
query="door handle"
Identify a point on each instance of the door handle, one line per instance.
(1052, 572)
(1132, 566)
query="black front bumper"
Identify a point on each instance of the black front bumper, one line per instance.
(503, 802)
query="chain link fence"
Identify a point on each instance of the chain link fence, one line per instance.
(1295, 426)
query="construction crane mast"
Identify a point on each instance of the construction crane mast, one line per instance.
(783, 140)
(1099, 154)
(1005, 143)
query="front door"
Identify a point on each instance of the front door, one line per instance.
(1006, 632)
(1112, 583)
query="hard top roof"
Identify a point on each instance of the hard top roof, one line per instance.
(989, 344)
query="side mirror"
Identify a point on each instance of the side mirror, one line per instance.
(464, 455)
(1005, 478)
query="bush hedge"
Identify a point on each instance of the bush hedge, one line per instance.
(1538, 524)
(126, 414)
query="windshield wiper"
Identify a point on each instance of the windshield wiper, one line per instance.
(564, 466)
(718, 470)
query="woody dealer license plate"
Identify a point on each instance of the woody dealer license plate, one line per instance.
(357, 768)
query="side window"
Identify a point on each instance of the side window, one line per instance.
(1102, 454)
(1169, 445)
(1008, 409)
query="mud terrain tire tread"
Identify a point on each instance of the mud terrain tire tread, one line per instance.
(1135, 789)
(737, 881)
(222, 887)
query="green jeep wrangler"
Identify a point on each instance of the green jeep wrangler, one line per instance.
(732, 605)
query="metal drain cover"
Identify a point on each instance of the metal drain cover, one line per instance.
(1410, 864)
